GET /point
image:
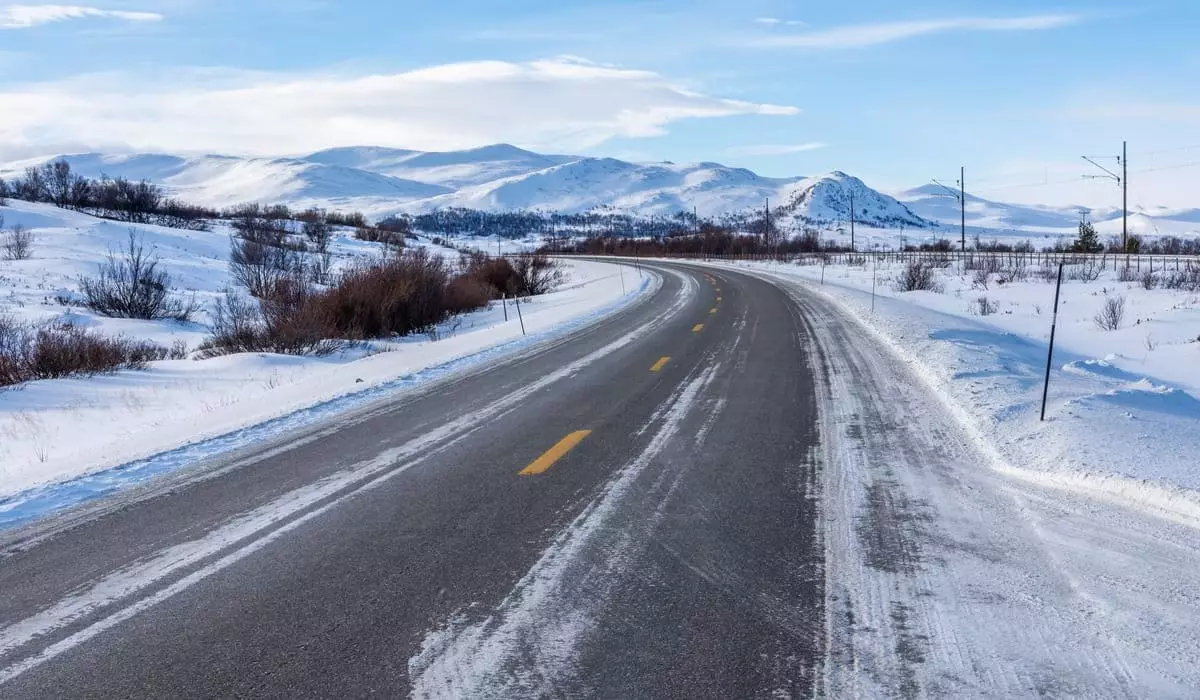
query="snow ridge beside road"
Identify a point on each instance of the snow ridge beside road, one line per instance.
(68, 441)
(1112, 432)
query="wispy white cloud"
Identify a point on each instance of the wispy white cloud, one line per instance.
(26, 16)
(561, 103)
(776, 149)
(775, 21)
(861, 35)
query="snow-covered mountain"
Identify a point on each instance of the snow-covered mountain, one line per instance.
(827, 200)
(989, 217)
(219, 181)
(381, 181)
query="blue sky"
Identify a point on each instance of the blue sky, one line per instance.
(896, 93)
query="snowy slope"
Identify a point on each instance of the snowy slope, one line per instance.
(827, 199)
(219, 181)
(453, 169)
(382, 181)
(933, 202)
(55, 431)
(989, 217)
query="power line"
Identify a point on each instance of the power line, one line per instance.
(1122, 181)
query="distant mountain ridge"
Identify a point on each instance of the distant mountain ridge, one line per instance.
(382, 181)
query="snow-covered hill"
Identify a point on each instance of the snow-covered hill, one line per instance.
(384, 181)
(219, 181)
(827, 200)
(381, 181)
(987, 216)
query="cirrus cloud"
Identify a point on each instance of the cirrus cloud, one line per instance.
(565, 103)
(862, 35)
(782, 149)
(26, 16)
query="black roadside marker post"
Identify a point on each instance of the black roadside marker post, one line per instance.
(504, 303)
(874, 274)
(1053, 326)
(517, 301)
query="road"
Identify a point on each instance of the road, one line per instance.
(722, 491)
(677, 531)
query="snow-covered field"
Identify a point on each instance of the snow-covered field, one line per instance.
(1123, 420)
(104, 432)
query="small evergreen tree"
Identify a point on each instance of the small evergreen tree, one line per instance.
(1088, 240)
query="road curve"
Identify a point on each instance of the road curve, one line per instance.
(628, 512)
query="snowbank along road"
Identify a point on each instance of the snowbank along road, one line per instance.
(727, 490)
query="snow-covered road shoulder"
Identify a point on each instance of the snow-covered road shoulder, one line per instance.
(68, 441)
(1123, 422)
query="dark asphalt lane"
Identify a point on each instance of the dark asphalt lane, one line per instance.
(682, 531)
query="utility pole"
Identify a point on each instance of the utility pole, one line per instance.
(1125, 197)
(767, 223)
(962, 200)
(1122, 181)
(851, 219)
(961, 196)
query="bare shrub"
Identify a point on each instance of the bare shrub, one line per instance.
(1149, 281)
(984, 306)
(981, 278)
(17, 243)
(396, 297)
(467, 293)
(1127, 274)
(1013, 273)
(13, 352)
(1187, 280)
(132, 286)
(63, 350)
(178, 350)
(497, 273)
(917, 276)
(1111, 314)
(1086, 270)
(538, 273)
(1048, 274)
(259, 265)
(236, 327)
(373, 234)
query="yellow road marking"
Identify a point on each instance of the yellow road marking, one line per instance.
(555, 453)
(713, 311)
(699, 327)
(660, 364)
(718, 300)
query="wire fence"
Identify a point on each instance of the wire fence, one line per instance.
(970, 259)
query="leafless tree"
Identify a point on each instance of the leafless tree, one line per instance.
(1111, 314)
(130, 285)
(17, 244)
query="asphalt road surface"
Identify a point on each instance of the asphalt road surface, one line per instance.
(728, 489)
(627, 512)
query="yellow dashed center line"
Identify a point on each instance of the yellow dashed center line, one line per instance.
(555, 453)
(660, 364)
(713, 311)
(699, 327)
